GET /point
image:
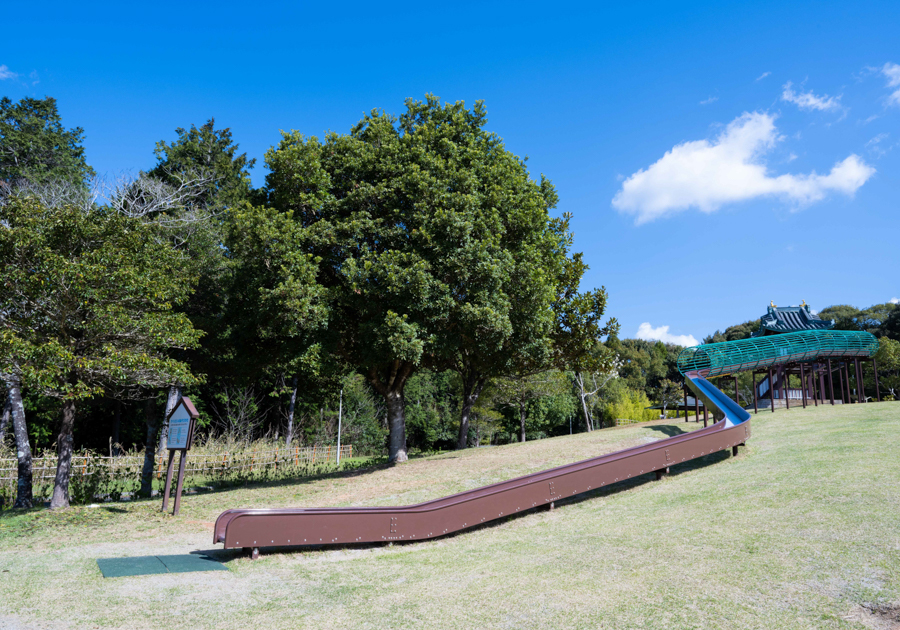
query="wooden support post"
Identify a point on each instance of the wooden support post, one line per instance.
(785, 387)
(803, 385)
(847, 380)
(181, 462)
(734, 451)
(840, 371)
(705, 414)
(830, 382)
(737, 397)
(771, 390)
(165, 505)
(696, 408)
(860, 381)
(755, 405)
(684, 391)
(877, 389)
(812, 384)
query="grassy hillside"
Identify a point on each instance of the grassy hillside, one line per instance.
(801, 530)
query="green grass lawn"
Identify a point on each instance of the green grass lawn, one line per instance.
(801, 530)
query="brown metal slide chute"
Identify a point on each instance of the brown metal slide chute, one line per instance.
(253, 528)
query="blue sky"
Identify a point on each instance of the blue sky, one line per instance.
(714, 157)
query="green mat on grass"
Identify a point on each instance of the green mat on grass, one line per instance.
(149, 565)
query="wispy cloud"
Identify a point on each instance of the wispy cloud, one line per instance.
(876, 146)
(707, 174)
(894, 300)
(763, 76)
(711, 99)
(649, 333)
(35, 79)
(808, 100)
(6, 73)
(892, 72)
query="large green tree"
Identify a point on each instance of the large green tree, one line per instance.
(436, 248)
(86, 302)
(36, 147)
(209, 157)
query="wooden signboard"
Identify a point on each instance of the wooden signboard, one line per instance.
(182, 422)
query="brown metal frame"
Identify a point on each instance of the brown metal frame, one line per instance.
(253, 529)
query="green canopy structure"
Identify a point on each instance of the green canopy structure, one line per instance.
(718, 359)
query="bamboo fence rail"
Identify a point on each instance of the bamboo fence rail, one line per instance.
(199, 464)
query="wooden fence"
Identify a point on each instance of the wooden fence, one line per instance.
(199, 464)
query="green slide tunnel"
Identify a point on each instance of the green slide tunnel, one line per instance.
(717, 359)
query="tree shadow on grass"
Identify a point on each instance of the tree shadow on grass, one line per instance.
(669, 430)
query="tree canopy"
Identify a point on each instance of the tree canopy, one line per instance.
(35, 147)
(86, 303)
(436, 247)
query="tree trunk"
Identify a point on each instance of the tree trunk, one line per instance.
(521, 422)
(472, 386)
(64, 447)
(585, 411)
(24, 496)
(390, 385)
(117, 430)
(149, 449)
(290, 427)
(4, 419)
(397, 453)
(171, 401)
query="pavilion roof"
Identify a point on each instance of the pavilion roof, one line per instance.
(783, 319)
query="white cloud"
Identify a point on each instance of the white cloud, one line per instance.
(763, 76)
(894, 300)
(874, 145)
(6, 73)
(711, 99)
(808, 100)
(709, 174)
(892, 72)
(649, 333)
(35, 79)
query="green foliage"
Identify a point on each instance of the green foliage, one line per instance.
(888, 361)
(424, 224)
(86, 301)
(645, 364)
(274, 303)
(624, 404)
(873, 319)
(431, 410)
(732, 333)
(34, 145)
(210, 154)
(436, 247)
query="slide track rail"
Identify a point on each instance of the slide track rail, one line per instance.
(256, 528)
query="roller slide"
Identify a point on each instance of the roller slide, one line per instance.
(256, 528)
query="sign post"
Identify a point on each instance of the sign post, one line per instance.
(182, 422)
